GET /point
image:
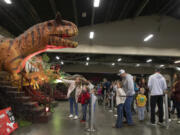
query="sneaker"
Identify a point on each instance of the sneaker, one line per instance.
(153, 124)
(178, 122)
(170, 120)
(161, 124)
(70, 116)
(174, 119)
(115, 115)
(75, 117)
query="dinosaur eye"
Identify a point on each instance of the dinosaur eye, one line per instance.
(49, 24)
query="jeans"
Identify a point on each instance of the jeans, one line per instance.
(120, 115)
(72, 102)
(84, 110)
(178, 109)
(141, 112)
(127, 107)
(159, 101)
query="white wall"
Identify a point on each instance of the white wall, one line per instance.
(126, 37)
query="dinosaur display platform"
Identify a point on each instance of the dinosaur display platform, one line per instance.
(16, 84)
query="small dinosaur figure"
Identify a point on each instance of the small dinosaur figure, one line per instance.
(52, 34)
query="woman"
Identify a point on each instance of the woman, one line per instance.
(74, 91)
(176, 93)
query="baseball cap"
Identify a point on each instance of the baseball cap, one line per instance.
(121, 71)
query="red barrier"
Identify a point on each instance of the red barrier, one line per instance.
(7, 122)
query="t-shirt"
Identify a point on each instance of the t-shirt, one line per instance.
(141, 100)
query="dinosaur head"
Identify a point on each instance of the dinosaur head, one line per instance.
(61, 33)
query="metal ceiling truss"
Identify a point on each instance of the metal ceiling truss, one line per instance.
(53, 6)
(75, 12)
(141, 7)
(31, 10)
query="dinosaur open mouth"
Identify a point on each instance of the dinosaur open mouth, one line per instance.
(67, 40)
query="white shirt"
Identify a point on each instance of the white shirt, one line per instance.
(120, 96)
(157, 84)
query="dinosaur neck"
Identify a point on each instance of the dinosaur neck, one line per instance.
(33, 40)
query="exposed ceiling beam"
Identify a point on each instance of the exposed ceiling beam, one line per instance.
(11, 18)
(108, 11)
(140, 9)
(165, 6)
(31, 10)
(124, 9)
(53, 6)
(168, 7)
(93, 16)
(75, 12)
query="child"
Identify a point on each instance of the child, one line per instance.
(120, 100)
(141, 104)
(84, 99)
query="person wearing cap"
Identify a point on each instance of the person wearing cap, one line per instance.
(128, 86)
(157, 86)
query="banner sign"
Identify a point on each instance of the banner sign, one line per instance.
(7, 122)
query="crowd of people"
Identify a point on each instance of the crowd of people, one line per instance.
(130, 97)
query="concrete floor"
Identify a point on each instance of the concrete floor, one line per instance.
(60, 124)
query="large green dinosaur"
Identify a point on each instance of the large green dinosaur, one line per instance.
(52, 34)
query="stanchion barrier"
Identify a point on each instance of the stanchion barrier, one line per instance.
(149, 106)
(91, 120)
(104, 97)
(112, 102)
(166, 111)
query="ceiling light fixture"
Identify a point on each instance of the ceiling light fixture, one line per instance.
(137, 65)
(96, 3)
(149, 60)
(57, 57)
(177, 61)
(91, 35)
(62, 63)
(83, 14)
(8, 1)
(178, 68)
(87, 63)
(119, 59)
(161, 66)
(87, 58)
(148, 37)
(113, 64)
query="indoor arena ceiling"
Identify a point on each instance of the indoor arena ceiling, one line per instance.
(21, 14)
(107, 59)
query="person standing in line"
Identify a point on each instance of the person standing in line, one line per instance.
(128, 86)
(157, 86)
(143, 84)
(172, 94)
(176, 94)
(141, 103)
(120, 100)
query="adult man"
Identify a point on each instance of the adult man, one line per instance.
(128, 86)
(157, 85)
(106, 86)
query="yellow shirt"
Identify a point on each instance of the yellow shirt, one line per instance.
(141, 100)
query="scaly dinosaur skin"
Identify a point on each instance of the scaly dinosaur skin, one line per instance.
(52, 34)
